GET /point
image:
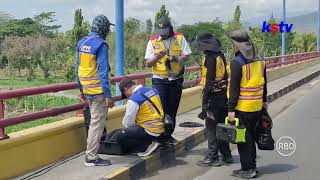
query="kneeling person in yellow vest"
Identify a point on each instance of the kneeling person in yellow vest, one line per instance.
(143, 120)
(247, 94)
(92, 71)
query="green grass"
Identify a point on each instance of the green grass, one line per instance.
(22, 83)
(28, 125)
(39, 102)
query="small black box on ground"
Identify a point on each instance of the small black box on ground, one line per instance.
(111, 148)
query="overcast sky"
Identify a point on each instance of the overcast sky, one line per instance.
(182, 11)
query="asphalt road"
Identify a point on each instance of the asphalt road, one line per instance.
(296, 115)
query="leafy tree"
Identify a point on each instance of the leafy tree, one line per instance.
(16, 27)
(162, 13)
(80, 28)
(149, 26)
(234, 24)
(132, 25)
(45, 21)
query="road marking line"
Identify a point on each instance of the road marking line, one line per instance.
(314, 82)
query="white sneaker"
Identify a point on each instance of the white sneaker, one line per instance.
(152, 147)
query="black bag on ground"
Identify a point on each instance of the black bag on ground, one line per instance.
(106, 146)
(264, 138)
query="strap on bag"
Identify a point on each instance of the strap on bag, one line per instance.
(151, 103)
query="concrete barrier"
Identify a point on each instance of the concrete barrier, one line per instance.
(34, 148)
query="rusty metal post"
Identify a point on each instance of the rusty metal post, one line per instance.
(2, 132)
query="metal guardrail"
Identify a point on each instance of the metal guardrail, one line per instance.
(272, 62)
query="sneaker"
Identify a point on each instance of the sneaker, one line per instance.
(97, 162)
(206, 162)
(248, 174)
(227, 159)
(152, 147)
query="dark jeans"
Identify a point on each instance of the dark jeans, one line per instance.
(247, 150)
(170, 95)
(216, 109)
(133, 139)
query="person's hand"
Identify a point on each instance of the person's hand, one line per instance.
(265, 105)
(109, 102)
(161, 54)
(231, 116)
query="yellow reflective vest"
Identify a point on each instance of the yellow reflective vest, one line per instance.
(147, 117)
(251, 86)
(220, 70)
(175, 49)
(88, 71)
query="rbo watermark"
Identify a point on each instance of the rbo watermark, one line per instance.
(286, 146)
(282, 27)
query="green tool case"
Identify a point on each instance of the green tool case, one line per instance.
(231, 133)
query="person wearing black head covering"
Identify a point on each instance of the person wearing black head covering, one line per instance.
(92, 72)
(247, 94)
(214, 100)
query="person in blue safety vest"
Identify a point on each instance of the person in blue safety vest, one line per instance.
(92, 73)
(143, 121)
(166, 53)
(214, 97)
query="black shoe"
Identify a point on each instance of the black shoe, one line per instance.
(248, 174)
(206, 162)
(227, 159)
(97, 162)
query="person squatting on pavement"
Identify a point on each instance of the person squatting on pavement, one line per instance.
(92, 72)
(247, 93)
(143, 120)
(166, 53)
(214, 100)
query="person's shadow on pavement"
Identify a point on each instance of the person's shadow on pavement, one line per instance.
(276, 168)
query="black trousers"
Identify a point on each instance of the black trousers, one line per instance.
(216, 109)
(133, 139)
(247, 150)
(170, 95)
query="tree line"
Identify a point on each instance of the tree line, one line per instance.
(36, 45)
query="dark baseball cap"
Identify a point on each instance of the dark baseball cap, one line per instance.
(163, 26)
(125, 83)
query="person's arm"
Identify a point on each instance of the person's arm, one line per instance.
(234, 92)
(210, 64)
(103, 69)
(129, 118)
(76, 71)
(150, 57)
(265, 89)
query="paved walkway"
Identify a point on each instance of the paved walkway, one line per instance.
(73, 168)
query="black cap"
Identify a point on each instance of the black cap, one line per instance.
(163, 26)
(125, 83)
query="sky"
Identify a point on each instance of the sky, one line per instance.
(181, 11)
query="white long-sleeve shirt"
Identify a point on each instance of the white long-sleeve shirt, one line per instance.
(132, 108)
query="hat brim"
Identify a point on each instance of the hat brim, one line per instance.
(163, 31)
(246, 49)
(111, 24)
(206, 46)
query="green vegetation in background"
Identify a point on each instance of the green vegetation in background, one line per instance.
(28, 125)
(32, 103)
